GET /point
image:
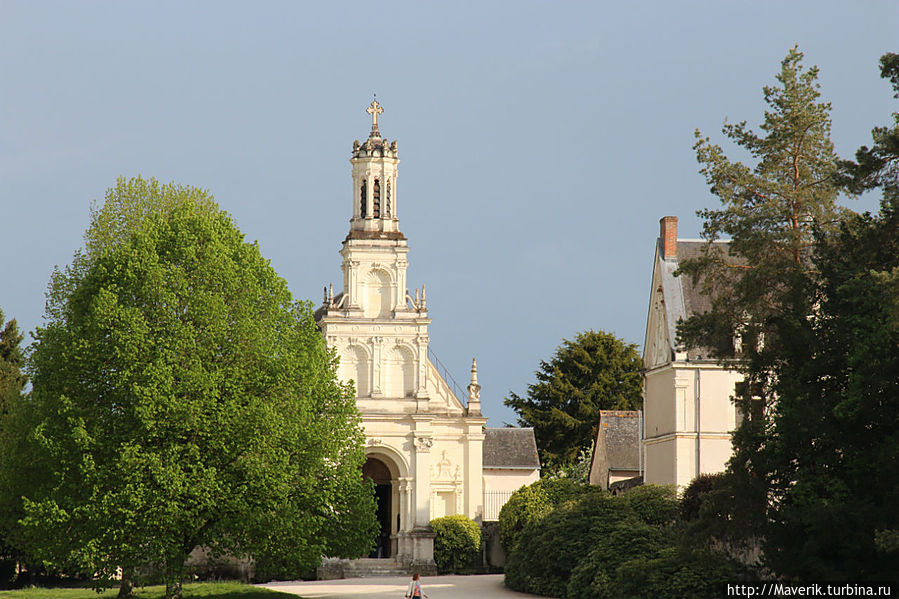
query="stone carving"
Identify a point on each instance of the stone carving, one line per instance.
(374, 442)
(424, 443)
(441, 470)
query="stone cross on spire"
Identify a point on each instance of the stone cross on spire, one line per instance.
(374, 110)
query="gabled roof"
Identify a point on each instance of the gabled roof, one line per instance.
(513, 448)
(680, 295)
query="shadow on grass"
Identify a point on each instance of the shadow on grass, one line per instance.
(210, 590)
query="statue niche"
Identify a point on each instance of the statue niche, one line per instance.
(377, 294)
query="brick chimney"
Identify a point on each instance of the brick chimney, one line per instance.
(668, 235)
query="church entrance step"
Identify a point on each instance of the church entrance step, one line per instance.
(362, 568)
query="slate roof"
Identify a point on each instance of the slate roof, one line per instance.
(683, 297)
(619, 434)
(510, 448)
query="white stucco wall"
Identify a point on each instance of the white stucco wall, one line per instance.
(689, 421)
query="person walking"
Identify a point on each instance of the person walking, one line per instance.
(415, 588)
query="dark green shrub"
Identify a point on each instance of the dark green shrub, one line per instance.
(653, 504)
(550, 549)
(676, 572)
(594, 574)
(531, 503)
(696, 492)
(457, 544)
(597, 528)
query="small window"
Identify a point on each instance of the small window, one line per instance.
(388, 199)
(377, 199)
(362, 202)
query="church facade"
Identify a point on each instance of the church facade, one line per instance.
(424, 447)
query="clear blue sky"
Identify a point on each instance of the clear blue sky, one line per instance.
(540, 141)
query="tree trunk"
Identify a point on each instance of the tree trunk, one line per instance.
(126, 589)
(173, 589)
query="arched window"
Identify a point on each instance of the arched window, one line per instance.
(388, 213)
(376, 200)
(363, 204)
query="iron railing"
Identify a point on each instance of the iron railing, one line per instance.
(494, 502)
(461, 394)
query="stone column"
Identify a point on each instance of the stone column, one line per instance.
(474, 466)
(422, 486)
(377, 383)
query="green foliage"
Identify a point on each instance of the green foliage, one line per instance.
(769, 212)
(760, 284)
(181, 398)
(675, 572)
(529, 504)
(457, 544)
(596, 574)
(575, 549)
(12, 360)
(838, 412)
(12, 385)
(596, 371)
(814, 474)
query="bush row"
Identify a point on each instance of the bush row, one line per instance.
(570, 540)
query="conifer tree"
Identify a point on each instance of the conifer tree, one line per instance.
(12, 360)
(595, 371)
(761, 288)
(838, 392)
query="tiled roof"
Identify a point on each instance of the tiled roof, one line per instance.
(510, 448)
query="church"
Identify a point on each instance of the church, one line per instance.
(425, 448)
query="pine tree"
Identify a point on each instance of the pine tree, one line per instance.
(838, 392)
(762, 287)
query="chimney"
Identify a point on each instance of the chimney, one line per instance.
(668, 235)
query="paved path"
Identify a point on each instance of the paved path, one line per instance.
(392, 587)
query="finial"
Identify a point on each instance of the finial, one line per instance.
(474, 390)
(331, 293)
(374, 110)
(424, 297)
(325, 294)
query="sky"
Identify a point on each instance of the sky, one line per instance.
(541, 142)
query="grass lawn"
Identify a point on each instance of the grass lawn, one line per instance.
(212, 590)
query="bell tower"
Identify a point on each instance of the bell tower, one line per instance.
(374, 181)
(375, 298)
(410, 408)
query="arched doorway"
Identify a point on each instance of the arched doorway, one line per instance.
(379, 473)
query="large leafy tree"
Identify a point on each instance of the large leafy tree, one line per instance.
(595, 371)
(760, 287)
(182, 398)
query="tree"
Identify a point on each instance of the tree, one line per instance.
(596, 371)
(12, 385)
(761, 286)
(12, 360)
(837, 402)
(181, 398)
